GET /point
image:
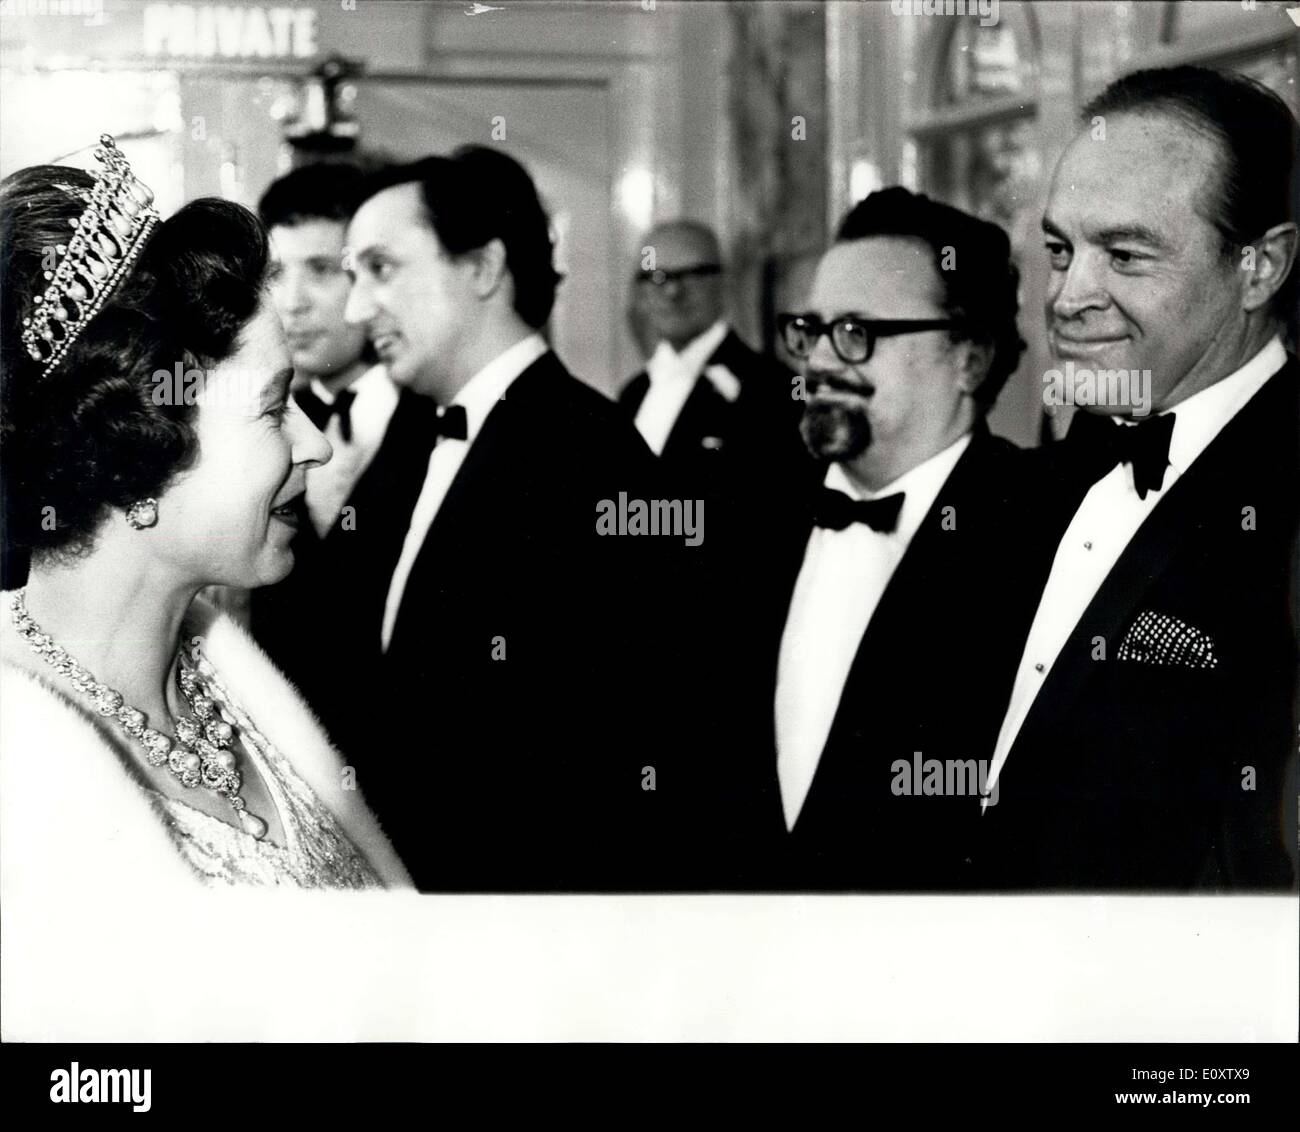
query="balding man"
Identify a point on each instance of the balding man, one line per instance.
(704, 397)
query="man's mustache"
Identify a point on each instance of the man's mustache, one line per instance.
(816, 382)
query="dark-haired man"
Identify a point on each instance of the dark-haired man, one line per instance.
(512, 755)
(883, 637)
(321, 624)
(1152, 712)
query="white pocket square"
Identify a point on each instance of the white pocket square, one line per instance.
(1167, 642)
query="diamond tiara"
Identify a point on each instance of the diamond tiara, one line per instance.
(109, 234)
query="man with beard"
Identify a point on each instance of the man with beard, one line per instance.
(886, 618)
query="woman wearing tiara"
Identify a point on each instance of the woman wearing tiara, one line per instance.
(150, 449)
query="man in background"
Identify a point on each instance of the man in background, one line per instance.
(706, 402)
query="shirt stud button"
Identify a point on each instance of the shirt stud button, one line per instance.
(1087, 545)
(1038, 667)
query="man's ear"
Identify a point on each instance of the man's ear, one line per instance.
(974, 361)
(489, 268)
(1266, 263)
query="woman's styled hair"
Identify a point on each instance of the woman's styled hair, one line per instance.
(92, 434)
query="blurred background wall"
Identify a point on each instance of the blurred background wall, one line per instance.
(767, 120)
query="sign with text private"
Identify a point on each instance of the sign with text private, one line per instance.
(229, 31)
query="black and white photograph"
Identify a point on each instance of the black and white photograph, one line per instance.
(641, 522)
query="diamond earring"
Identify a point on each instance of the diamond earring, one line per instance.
(143, 513)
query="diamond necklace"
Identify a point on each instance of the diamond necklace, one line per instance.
(202, 755)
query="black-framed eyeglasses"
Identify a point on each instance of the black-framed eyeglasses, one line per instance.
(852, 338)
(661, 278)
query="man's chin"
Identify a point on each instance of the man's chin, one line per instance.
(835, 433)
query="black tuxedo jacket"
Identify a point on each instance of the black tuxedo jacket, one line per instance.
(932, 675)
(715, 442)
(523, 697)
(321, 625)
(1132, 773)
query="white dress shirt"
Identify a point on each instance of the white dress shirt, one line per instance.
(478, 397)
(329, 485)
(672, 377)
(1105, 524)
(843, 577)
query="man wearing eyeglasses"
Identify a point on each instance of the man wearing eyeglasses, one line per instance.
(883, 616)
(704, 395)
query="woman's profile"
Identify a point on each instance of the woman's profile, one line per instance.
(150, 449)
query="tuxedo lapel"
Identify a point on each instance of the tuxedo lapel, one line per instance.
(495, 464)
(931, 676)
(927, 553)
(912, 587)
(634, 393)
(703, 415)
(1177, 522)
(532, 790)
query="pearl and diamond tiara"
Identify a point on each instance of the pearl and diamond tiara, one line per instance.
(109, 234)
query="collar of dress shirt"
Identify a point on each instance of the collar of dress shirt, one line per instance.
(690, 361)
(1200, 418)
(920, 486)
(372, 386)
(481, 393)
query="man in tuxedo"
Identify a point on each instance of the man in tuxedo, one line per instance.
(321, 624)
(879, 623)
(705, 400)
(1148, 731)
(515, 710)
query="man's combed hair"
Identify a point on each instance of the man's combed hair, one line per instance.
(1257, 135)
(90, 435)
(477, 194)
(325, 191)
(972, 259)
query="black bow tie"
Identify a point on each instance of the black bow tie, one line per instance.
(320, 412)
(1101, 444)
(451, 422)
(836, 511)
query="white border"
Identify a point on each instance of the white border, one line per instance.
(278, 966)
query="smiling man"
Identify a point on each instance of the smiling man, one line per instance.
(1152, 714)
(321, 624)
(883, 613)
(504, 757)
